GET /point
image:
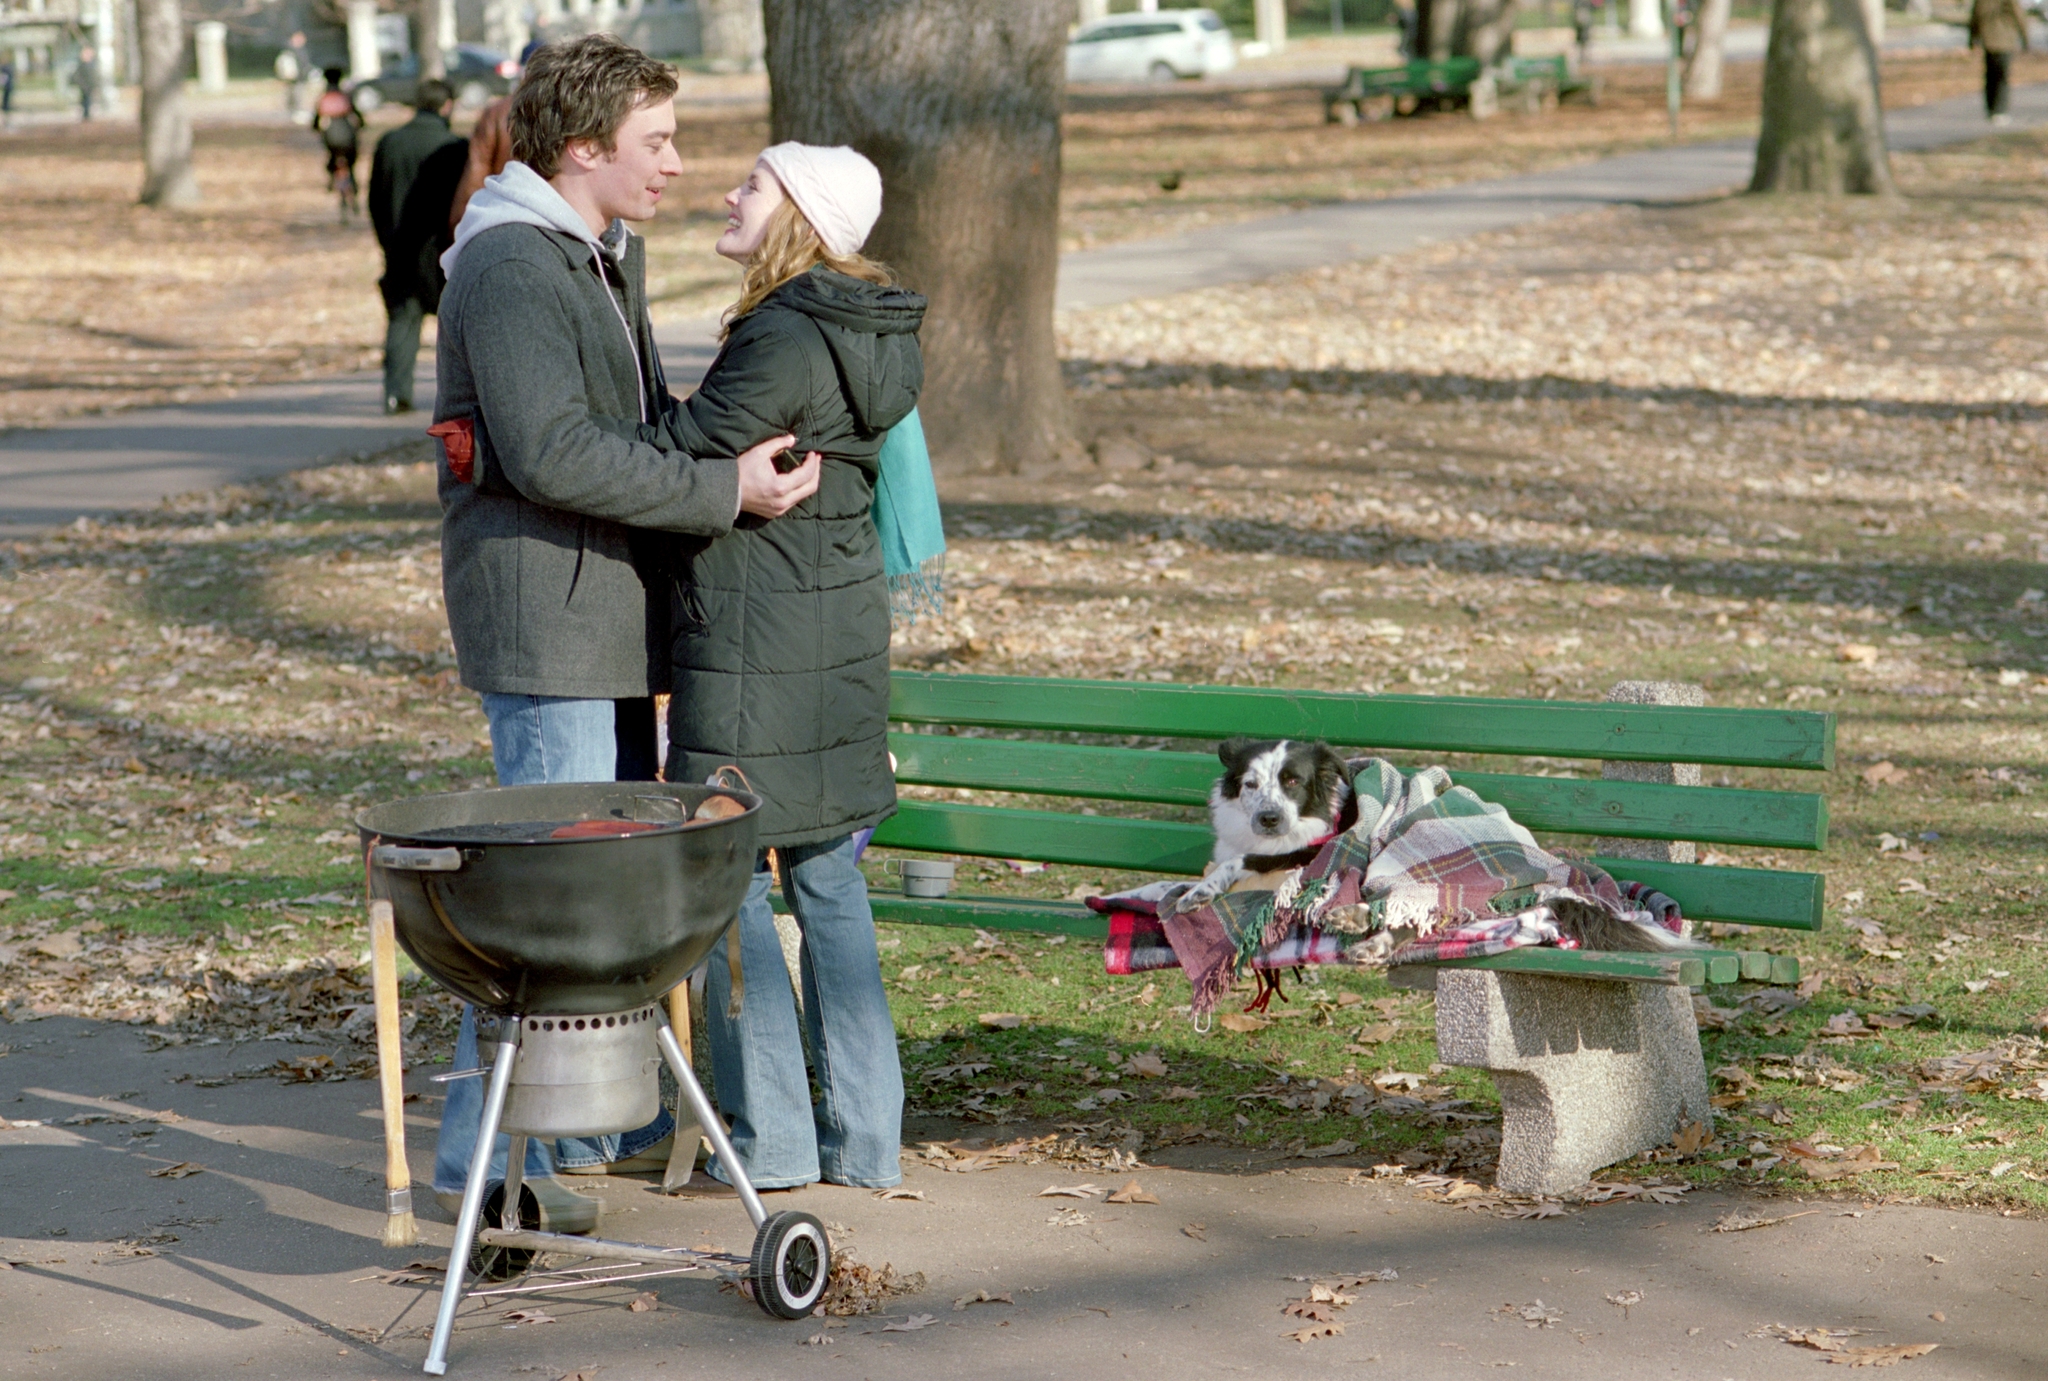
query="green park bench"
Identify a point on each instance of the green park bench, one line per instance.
(1542, 80)
(1596, 1054)
(1448, 79)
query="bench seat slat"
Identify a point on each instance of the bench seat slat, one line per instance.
(1752, 896)
(1623, 810)
(1686, 970)
(1638, 733)
(1073, 918)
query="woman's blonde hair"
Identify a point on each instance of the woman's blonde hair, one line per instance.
(791, 247)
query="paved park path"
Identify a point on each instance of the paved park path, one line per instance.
(267, 1264)
(108, 464)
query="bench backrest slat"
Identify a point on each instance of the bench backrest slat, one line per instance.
(1752, 896)
(1622, 810)
(1639, 733)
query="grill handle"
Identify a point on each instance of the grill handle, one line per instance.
(398, 858)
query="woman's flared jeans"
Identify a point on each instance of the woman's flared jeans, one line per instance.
(853, 1132)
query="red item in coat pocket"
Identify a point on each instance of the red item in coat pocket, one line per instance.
(458, 442)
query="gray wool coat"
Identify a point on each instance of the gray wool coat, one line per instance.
(538, 570)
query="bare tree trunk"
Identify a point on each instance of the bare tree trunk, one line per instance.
(733, 40)
(426, 22)
(1703, 68)
(1823, 128)
(166, 128)
(958, 104)
(1436, 28)
(1485, 29)
(1479, 29)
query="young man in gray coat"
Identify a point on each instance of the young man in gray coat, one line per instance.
(543, 323)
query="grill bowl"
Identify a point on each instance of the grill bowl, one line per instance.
(570, 926)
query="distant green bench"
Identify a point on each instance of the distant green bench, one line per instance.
(1537, 82)
(1444, 80)
(1547, 79)
(1596, 1055)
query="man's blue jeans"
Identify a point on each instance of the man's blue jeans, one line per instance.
(854, 1134)
(535, 738)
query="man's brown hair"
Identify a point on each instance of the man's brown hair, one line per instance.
(583, 89)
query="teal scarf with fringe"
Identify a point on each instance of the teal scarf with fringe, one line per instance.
(906, 514)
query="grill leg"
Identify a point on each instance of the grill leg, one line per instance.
(709, 1120)
(473, 1194)
(515, 1180)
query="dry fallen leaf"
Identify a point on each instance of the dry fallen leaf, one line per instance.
(1147, 1065)
(644, 1303)
(1000, 1021)
(1131, 1193)
(1321, 1330)
(911, 1324)
(981, 1297)
(536, 1316)
(1880, 1356)
(1070, 1191)
(1318, 1310)
(1546, 1209)
(899, 1192)
(179, 1171)
(1179, 1093)
(1627, 1300)
(1242, 1021)
(1198, 1231)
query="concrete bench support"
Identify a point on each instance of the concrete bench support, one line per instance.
(1589, 1073)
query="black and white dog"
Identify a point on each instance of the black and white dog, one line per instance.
(1274, 805)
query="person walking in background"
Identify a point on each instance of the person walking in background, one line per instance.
(86, 77)
(340, 126)
(290, 69)
(1999, 27)
(490, 149)
(6, 93)
(412, 177)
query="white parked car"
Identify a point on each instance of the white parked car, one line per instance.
(1161, 46)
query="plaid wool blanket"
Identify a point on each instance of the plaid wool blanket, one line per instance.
(1430, 872)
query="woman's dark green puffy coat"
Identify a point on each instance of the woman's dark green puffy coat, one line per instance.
(780, 652)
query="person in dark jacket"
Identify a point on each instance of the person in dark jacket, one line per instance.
(780, 633)
(544, 320)
(1999, 27)
(412, 180)
(86, 78)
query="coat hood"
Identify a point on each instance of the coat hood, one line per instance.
(872, 334)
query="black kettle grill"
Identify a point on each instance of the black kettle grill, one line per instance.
(567, 911)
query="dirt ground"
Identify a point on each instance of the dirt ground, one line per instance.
(105, 305)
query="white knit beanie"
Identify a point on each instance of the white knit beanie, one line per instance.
(837, 189)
